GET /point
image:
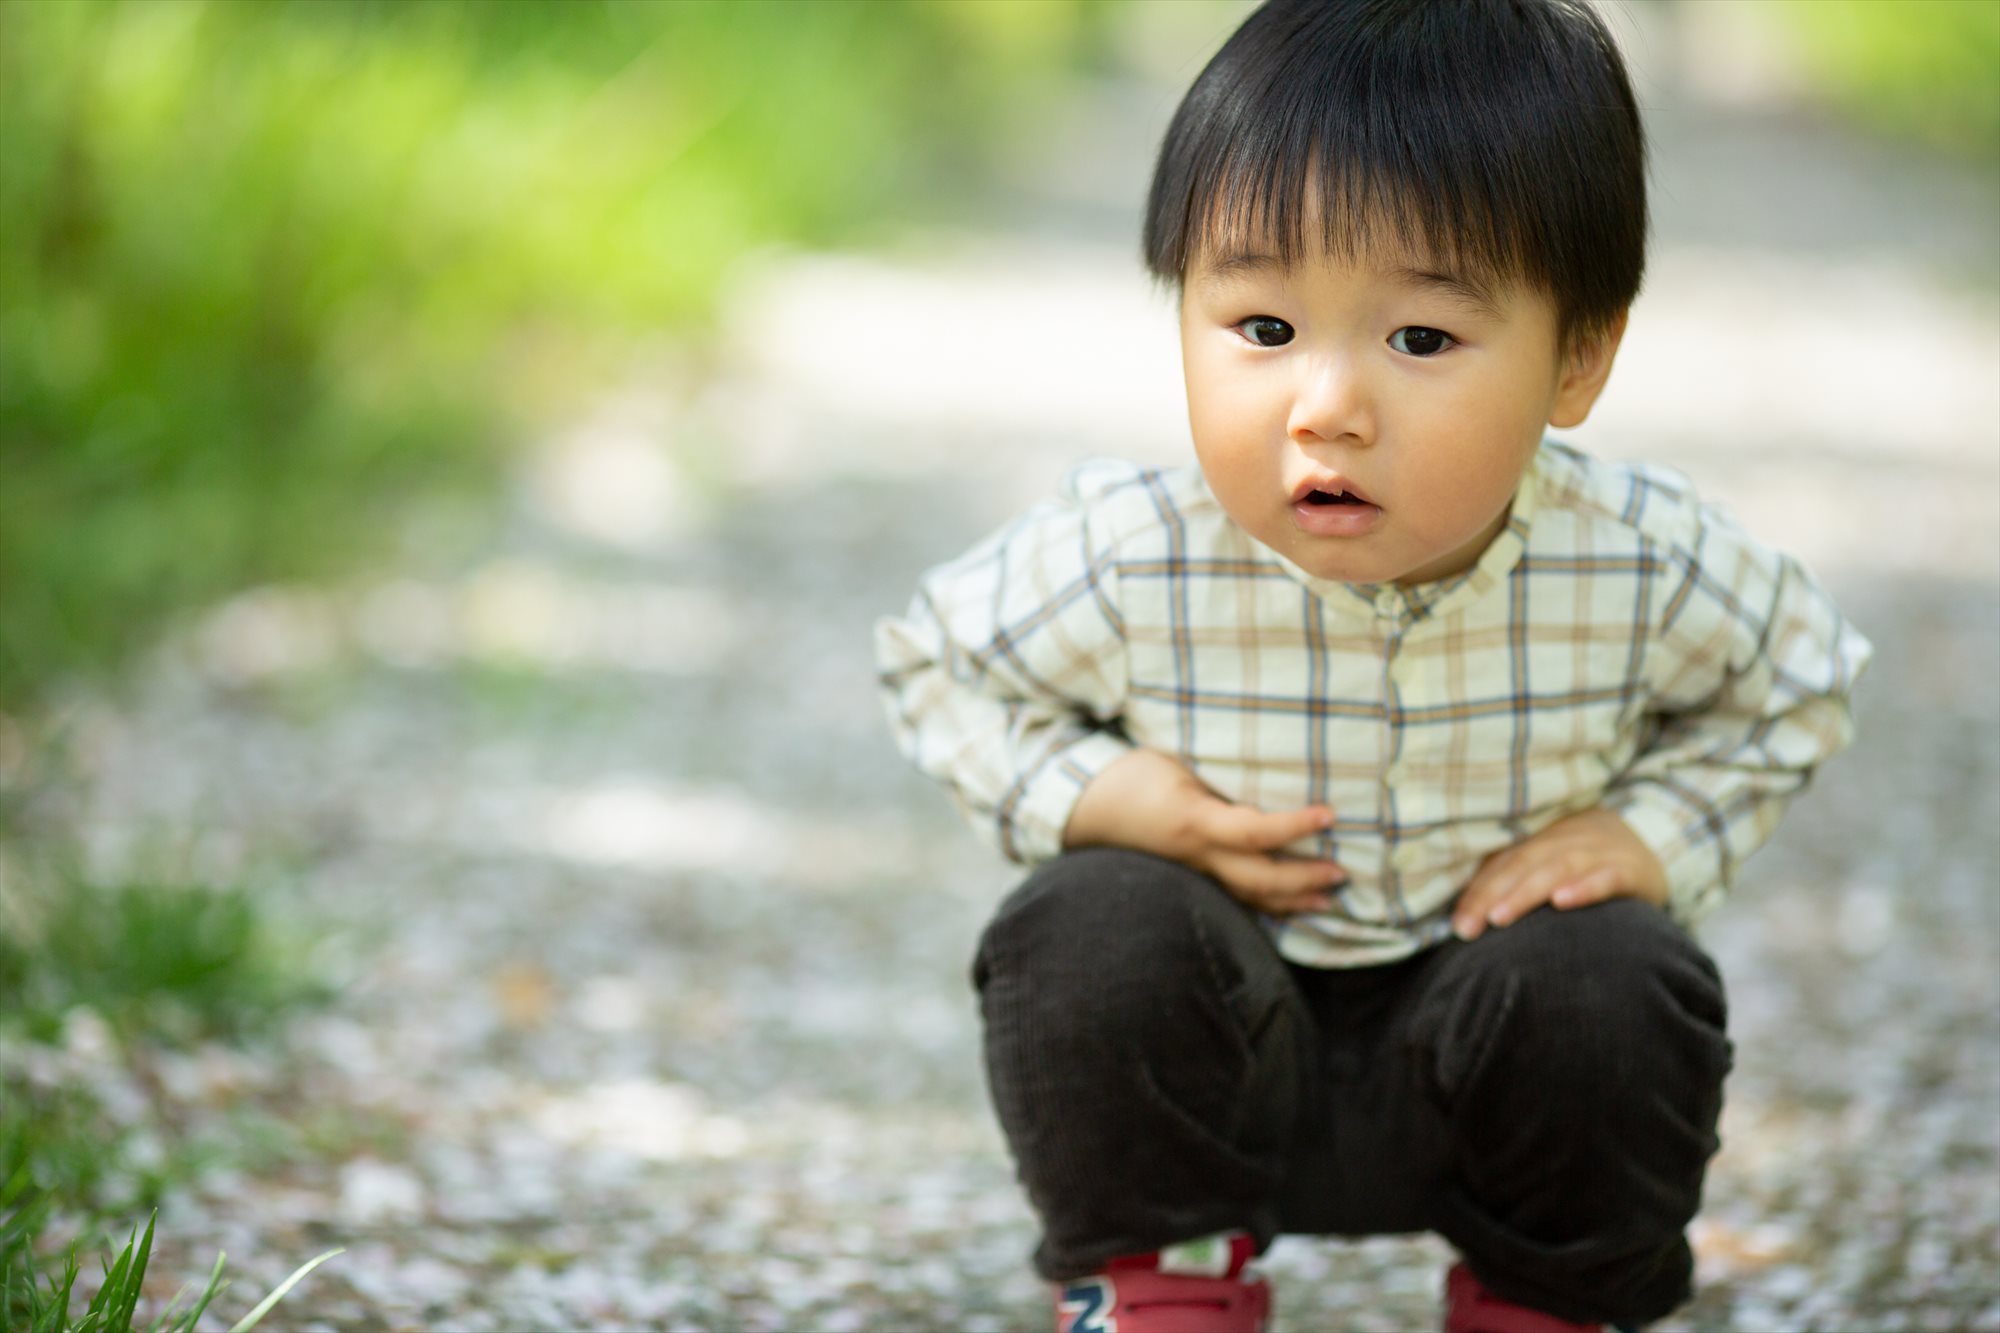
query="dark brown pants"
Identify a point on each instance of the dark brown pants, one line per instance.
(1544, 1097)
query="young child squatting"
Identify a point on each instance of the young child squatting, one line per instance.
(1373, 769)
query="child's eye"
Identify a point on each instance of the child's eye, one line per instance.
(1416, 340)
(1265, 330)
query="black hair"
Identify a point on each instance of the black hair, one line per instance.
(1495, 139)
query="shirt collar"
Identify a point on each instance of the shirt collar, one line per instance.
(1409, 604)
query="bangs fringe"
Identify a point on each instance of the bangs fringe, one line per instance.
(1489, 139)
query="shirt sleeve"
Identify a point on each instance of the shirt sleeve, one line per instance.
(1750, 674)
(1006, 678)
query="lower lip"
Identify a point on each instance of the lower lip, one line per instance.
(1336, 520)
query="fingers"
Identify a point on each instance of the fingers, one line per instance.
(1495, 877)
(1246, 828)
(1510, 888)
(1580, 859)
(1506, 888)
(1587, 889)
(1242, 838)
(1275, 886)
(1234, 843)
(1526, 893)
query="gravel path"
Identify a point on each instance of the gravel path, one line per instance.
(653, 1009)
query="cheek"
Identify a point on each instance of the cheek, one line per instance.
(1499, 425)
(1471, 470)
(1219, 410)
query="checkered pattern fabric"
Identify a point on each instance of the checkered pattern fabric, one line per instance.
(1619, 644)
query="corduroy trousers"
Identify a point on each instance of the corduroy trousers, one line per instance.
(1544, 1097)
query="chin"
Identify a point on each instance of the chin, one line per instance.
(1346, 571)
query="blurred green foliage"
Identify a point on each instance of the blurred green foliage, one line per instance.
(97, 978)
(270, 271)
(1922, 69)
(157, 961)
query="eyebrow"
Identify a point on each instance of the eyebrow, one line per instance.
(1469, 292)
(1232, 267)
(1461, 289)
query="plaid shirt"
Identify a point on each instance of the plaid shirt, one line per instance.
(1618, 644)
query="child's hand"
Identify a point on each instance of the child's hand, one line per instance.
(1582, 859)
(1151, 803)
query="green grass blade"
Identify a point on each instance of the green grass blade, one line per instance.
(54, 1317)
(97, 1315)
(171, 1322)
(159, 1324)
(249, 1321)
(120, 1317)
(215, 1288)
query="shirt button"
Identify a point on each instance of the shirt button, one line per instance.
(1387, 603)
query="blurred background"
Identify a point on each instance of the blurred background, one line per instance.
(451, 456)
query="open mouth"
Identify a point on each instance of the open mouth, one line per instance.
(1330, 490)
(1326, 504)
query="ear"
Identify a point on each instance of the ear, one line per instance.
(1586, 367)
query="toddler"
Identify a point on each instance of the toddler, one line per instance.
(1373, 769)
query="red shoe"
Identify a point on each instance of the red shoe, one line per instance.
(1471, 1307)
(1135, 1296)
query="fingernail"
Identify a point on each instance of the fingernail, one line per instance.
(1465, 930)
(1326, 819)
(1498, 916)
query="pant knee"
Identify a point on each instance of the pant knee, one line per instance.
(1610, 995)
(1129, 943)
(1622, 958)
(1098, 913)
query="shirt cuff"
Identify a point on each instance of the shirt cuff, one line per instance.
(1680, 838)
(1033, 829)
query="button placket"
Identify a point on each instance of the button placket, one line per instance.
(1389, 607)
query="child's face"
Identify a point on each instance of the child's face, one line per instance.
(1414, 393)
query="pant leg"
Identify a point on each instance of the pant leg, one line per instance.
(1578, 1058)
(1146, 1049)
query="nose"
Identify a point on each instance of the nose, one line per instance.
(1331, 403)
